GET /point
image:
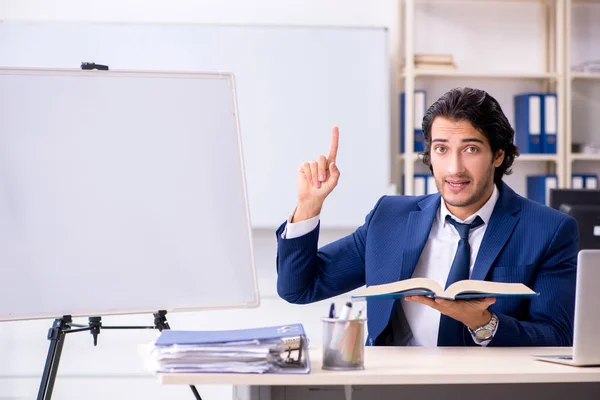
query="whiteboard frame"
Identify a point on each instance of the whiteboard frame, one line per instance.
(230, 77)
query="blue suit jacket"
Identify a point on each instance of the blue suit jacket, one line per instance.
(524, 242)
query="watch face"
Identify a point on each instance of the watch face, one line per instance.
(483, 334)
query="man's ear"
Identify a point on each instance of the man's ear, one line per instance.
(499, 158)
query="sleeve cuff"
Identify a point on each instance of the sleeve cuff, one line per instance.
(297, 229)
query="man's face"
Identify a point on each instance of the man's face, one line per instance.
(463, 165)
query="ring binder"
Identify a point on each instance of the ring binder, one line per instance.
(275, 349)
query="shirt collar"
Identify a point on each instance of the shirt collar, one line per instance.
(485, 212)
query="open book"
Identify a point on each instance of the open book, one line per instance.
(467, 289)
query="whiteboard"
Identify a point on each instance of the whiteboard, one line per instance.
(294, 84)
(121, 192)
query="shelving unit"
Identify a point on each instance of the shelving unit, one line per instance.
(486, 75)
(549, 77)
(523, 157)
(587, 81)
(585, 75)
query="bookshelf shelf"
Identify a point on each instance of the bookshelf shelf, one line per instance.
(585, 157)
(414, 157)
(479, 74)
(538, 157)
(482, 1)
(523, 157)
(585, 75)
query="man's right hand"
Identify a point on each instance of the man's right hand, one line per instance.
(316, 179)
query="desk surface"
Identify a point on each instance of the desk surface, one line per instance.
(417, 366)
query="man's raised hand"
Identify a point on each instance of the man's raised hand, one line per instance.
(316, 179)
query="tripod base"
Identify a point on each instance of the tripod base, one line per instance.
(64, 325)
(56, 335)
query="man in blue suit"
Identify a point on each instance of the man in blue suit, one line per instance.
(476, 227)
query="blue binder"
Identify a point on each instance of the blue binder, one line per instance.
(549, 123)
(538, 187)
(584, 181)
(431, 186)
(422, 184)
(591, 181)
(419, 113)
(528, 122)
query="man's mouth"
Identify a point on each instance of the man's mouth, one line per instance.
(457, 183)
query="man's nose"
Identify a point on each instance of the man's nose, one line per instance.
(456, 165)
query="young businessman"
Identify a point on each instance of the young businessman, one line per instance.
(476, 227)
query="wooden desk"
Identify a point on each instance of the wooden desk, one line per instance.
(420, 368)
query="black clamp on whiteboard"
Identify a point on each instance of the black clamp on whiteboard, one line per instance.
(91, 65)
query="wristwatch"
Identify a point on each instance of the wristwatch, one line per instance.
(486, 331)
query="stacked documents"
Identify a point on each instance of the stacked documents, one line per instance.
(276, 349)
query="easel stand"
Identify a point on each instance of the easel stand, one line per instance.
(64, 325)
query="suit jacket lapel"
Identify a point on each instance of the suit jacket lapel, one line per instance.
(417, 232)
(411, 242)
(500, 227)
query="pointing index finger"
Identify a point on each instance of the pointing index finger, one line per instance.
(333, 147)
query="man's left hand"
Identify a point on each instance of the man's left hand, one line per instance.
(473, 313)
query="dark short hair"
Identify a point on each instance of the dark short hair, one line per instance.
(483, 112)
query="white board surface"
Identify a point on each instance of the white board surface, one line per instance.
(294, 84)
(121, 192)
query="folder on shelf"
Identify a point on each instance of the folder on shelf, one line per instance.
(422, 184)
(577, 181)
(584, 181)
(528, 122)
(591, 182)
(274, 349)
(419, 113)
(431, 186)
(550, 123)
(538, 187)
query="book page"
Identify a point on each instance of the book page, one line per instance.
(477, 286)
(402, 286)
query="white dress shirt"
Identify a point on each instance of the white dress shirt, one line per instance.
(434, 263)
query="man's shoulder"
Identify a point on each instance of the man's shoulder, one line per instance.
(541, 215)
(400, 203)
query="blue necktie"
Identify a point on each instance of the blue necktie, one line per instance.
(451, 330)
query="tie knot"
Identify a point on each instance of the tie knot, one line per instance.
(463, 229)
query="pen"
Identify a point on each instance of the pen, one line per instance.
(332, 310)
(339, 327)
(359, 314)
(346, 311)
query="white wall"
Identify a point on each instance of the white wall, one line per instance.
(113, 368)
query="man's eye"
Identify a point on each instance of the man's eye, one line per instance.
(472, 149)
(439, 149)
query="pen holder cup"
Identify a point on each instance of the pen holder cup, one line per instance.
(343, 344)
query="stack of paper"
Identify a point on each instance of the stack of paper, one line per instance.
(443, 62)
(276, 349)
